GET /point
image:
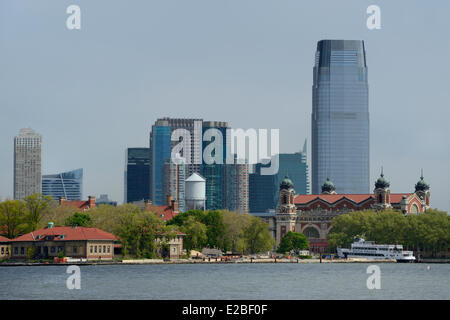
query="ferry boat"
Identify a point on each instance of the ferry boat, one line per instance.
(369, 250)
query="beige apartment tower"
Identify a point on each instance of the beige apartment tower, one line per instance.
(27, 164)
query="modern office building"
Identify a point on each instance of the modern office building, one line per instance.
(296, 167)
(215, 173)
(27, 164)
(68, 185)
(137, 170)
(340, 116)
(263, 189)
(161, 147)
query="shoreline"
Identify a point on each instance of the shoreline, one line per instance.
(213, 261)
(210, 261)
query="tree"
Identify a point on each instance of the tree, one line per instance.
(138, 232)
(215, 229)
(182, 217)
(428, 231)
(79, 219)
(36, 205)
(257, 236)
(12, 216)
(195, 232)
(293, 241)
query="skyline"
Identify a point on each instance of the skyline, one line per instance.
(88, 115)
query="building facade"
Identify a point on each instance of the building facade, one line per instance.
(80, 205)
(27, 164)
(263, 189)
(74, 242)
(161, 147)
(173, 182)
(237, 187)
(340, 116)
(312, 214)
(68, 185)
(5, 248)
(137, 171)
(215, 173)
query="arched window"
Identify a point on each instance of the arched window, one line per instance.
(311, 232)
(380, 198)
(284, 199)
(414, 209)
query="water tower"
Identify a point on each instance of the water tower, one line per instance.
(195, 192)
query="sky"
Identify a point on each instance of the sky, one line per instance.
(92, 93)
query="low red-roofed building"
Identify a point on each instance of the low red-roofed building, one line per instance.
(167, 212)
(81, 205)
(75, 242)
(312, 214)
(4, 247)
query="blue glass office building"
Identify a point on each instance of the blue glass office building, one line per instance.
(340, 117)
(67, 185)
(263, 189)
(214, 174)
(160, 148)
(136, 178)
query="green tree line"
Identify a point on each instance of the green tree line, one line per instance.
(429, 231)
(137, 229)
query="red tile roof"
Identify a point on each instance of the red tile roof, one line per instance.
(332, 198)
(397, 197)
(70, 233)
(163, 212)
(3, 239)
(80, 204)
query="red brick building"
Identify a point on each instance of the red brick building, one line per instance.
(74, 242)
(79, 204)
(312, 214)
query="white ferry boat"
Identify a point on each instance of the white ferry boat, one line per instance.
(369, 250)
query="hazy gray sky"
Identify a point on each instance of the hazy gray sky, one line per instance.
(91, 93)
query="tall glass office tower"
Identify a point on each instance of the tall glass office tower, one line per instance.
(214, 174)
(136, 179)
(340, 117)
(160, 149)
(68, 185)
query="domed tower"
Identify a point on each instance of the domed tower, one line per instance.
(328, 187)
(422, 189)
(287, 194)
(287, 213)
(382, 193)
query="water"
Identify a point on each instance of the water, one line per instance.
(228, 281)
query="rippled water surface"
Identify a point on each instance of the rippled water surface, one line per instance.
(228, 281)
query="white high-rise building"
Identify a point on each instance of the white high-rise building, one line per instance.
(27, 164)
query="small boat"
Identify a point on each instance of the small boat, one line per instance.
(369, 250)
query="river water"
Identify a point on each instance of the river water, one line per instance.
(228, 281)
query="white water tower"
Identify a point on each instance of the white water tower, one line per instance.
(195, 192)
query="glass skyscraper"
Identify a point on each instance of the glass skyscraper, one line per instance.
(160, 149)
(214, 174)
(136, 178)
(340, 117)
(263, 190)
(68, 185)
